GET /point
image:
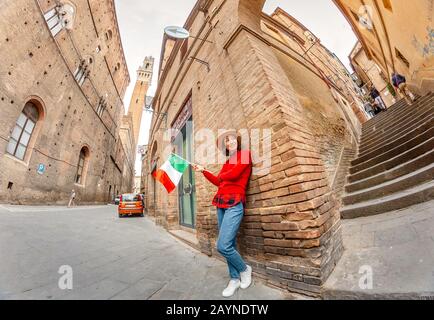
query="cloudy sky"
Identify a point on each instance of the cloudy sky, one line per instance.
(142, 22)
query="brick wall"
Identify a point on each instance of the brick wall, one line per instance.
(291, 229)
(34, 65)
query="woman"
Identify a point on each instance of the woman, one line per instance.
(230, 202)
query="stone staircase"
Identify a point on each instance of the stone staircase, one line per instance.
(394, 168)
(348, 154)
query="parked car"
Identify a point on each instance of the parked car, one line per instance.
(130, 204)
(117, 200)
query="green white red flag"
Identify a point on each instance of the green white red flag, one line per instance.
(170, 173)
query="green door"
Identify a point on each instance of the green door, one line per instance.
(186, 188)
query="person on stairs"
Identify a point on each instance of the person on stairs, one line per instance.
(377, 98)
(400, 83)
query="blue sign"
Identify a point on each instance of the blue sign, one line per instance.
(41, 168)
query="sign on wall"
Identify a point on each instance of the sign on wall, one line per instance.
(41, 168)
(182, 118)
(141, 149)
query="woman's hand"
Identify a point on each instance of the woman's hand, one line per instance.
(198, 168)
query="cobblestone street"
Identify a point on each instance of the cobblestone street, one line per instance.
(111, 258)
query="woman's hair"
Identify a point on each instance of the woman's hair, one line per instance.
(221, 142)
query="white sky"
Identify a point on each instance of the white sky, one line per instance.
(142, 22)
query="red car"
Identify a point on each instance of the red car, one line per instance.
(130, 204)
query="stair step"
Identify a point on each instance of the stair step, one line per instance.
(392, 118)
(407, 181)
(406, 156)
(381, 116)
(395, 135)
(384, 117)
(394, 127)
(403, 169)
(399, 150)
(389, 145)
(403, 199)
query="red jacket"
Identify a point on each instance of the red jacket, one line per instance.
(232, 180)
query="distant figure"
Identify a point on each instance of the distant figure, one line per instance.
(400, 83)
(71, 199)
(377, 98)
(369, 109)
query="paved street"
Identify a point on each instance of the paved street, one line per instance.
(398, 246)
(111, 258)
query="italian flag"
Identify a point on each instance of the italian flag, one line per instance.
(171, 172)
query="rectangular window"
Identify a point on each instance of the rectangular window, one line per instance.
(80, 75)
(387, 4)
(401, 57)
(80, 169)
(53, 21)
(20, 137)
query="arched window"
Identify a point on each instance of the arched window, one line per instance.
(23, 130)
(109, 35)
(83, 160)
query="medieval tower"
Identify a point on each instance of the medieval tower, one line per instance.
(138, 99)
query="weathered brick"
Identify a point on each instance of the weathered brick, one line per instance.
(287, 226)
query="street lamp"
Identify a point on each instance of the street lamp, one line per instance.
(180, 33)
(148, 108)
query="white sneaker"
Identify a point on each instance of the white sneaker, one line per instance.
(231, 288)
(246, 278)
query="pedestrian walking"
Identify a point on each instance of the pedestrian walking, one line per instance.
(369, 108)
(71, 199)
(230, 202)
(377, 98)
(400, 83)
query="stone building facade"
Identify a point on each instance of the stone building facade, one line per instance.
(285, 28)
(63, 77)
(370, 73)
(397, 36)
(237, 74)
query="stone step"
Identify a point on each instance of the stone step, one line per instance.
(399, 150)
(395, 124)
(412, 179)
(396, 134)
(398, 109)
(403, 199)
(394, 128)
(389, 164)
(391, 144)
(396, 172)
(382, 118)
(393, 117)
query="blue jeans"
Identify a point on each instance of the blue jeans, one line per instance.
(229, 221)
